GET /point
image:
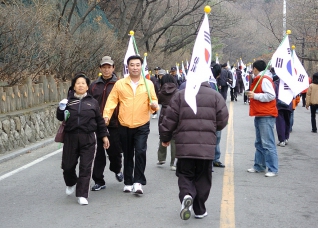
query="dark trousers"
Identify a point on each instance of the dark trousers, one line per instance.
(240, 86)
(195, 179)
(223, 91)
(233, 93)
(134, 144)
(303, 98)
(114, 155)
(283, 124)
(82, 146)
(313, 109)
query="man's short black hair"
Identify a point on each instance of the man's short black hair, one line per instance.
(135, 57)
(216, 69)
(260, 65)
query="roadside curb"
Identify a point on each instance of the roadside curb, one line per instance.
(30, 147)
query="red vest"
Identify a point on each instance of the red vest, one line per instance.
(258, 108)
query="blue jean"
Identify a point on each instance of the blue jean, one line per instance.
(217, 148)
(266, 153)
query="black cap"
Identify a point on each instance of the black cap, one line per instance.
(157, 68)
(173, 68)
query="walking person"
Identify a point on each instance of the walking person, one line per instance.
(263, 106)
(223, 80)
(304, 93)
(84, 125)
(312, 101)
(168, 89)
(131, 94)
(156, 82)
(194, 166)
(100, 90)
(283, 118)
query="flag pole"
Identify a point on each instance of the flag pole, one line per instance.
(142, 71)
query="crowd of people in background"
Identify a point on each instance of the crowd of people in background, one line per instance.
(111, 117)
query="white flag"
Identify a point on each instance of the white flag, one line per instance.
(217, 60)
(199, 70)
(284, 93)
(130, 52)
(246, 80)
(145, 68)
(282, 62)
(183, 71)
(242, 64)
(178, 72)
(301, 75)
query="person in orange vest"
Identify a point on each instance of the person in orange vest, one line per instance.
(295, 102)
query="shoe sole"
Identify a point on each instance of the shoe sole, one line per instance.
(185, 213)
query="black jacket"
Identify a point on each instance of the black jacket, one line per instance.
(84, 117)
(100, 91)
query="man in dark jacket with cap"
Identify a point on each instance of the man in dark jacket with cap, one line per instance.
(223, 80)
(100, 89)
(195, 139)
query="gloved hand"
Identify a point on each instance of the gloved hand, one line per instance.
(62, 104)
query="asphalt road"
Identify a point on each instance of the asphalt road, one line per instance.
(32, 190)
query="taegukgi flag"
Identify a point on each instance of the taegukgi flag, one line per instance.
(284, 92)
(130, 52)
(145, 68)
(283, 64)
(301, 75)
(199, 69)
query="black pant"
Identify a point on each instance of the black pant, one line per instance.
(134, 144)
(303, 98)
(114, 155)
(233, 93)
(283, 124)
(223, 91)
(195, 179)
(313, 109)
(76, 146)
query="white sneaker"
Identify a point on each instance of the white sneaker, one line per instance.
(186, 207)
(286, 142)
(201, 216)
(154, 116)
(128, 188)
(173, 168)
(282, 144)
(270, 174)
(70, 190)
(252, 170)
(137, 188)
(82, 200)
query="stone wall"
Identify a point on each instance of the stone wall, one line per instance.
(18, 129)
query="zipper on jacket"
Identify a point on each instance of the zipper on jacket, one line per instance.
(79, 111)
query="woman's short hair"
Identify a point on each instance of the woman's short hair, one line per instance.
(315, 78)
(77, 76)
(166, 79)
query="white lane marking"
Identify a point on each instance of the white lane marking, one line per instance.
(29, 165)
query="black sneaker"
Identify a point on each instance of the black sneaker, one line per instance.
(218, 164)
(98, 187)
(119, 176)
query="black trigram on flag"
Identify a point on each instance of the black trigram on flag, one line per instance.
(279, 62)
(301, 78)
(195, 62)
(207, 37)
(286, 87)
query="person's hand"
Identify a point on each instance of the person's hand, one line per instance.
(153, 106)
(220, 87)
(62, 104)
(106, 143)
(307, 107)
(106, 121)
(250, 94)
(165, 144)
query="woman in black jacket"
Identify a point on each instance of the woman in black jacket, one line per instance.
(83, 125)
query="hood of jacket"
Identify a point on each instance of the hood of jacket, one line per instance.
(168, 88)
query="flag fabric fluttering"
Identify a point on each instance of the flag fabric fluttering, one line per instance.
(242, 64)
(217, 59)
(246, 79)
(300, 73)
(283, 64)
(145, 67)
(183, 71)
(199, 70)
(178, 72)
(130, 52)
(284, 92)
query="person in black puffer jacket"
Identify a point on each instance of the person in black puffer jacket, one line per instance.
(168, 89)
(195, 138)
(83, 126)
